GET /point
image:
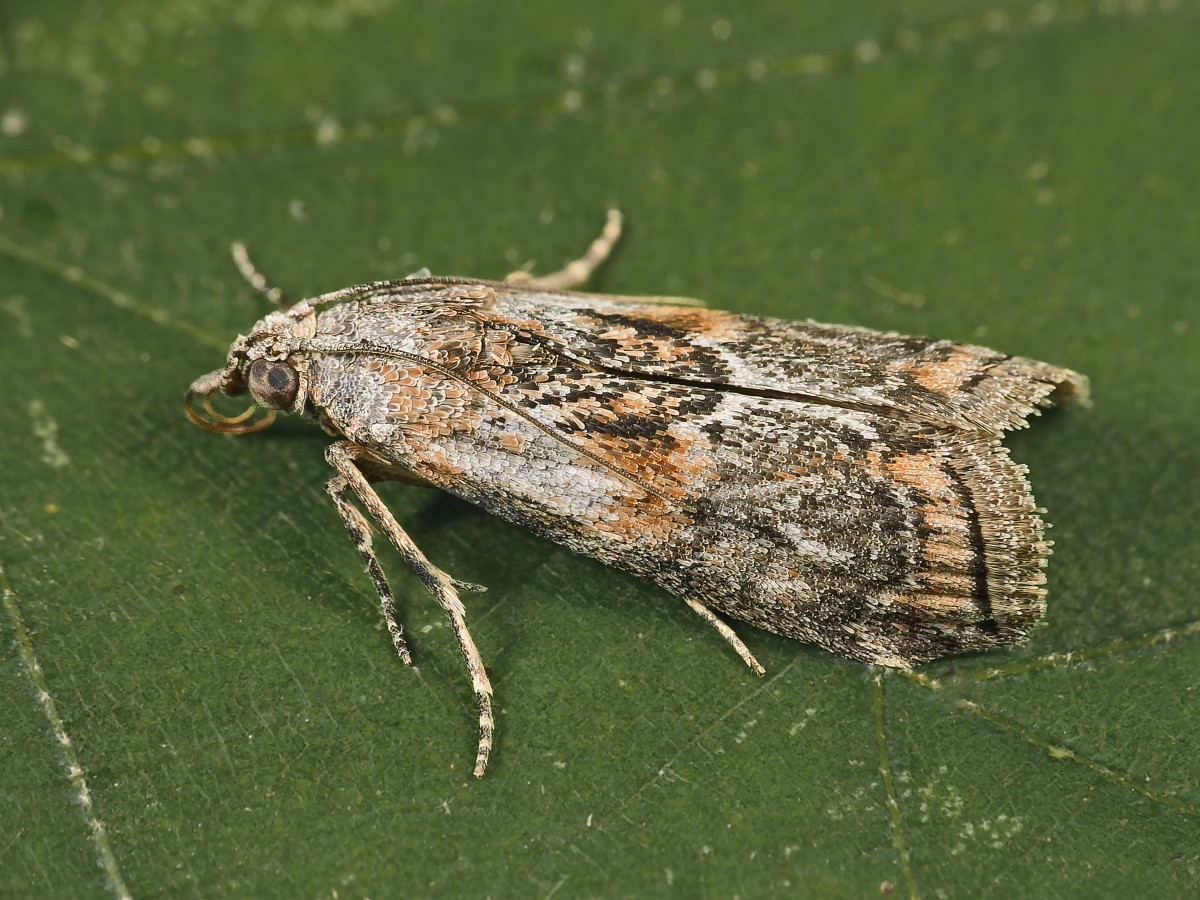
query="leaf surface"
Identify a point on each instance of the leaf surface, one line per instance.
(189, 641)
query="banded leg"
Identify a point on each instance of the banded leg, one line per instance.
(579, 270)
(728, 633)
(342, 456)
(360, 532)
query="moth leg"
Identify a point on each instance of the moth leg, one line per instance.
(579, 270)
(256, 279)
(360, 532)
(726, 632)
(342, 456)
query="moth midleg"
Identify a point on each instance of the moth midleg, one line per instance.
(579, 270)
(342, 456)
(257, 279)
(728, 633)
(360, 532)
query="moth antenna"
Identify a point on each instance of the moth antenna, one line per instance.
(255, 278)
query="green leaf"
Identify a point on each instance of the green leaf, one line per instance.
(199, 698)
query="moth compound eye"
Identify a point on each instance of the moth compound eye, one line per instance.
(273, 383)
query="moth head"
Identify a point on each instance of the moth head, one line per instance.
(264, 364)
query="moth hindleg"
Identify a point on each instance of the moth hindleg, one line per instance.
(579, 270)
(729, 634)
(342, 456)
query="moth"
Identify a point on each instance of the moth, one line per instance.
(836, 485)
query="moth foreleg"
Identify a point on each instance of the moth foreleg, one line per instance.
(728, 633)
(342, 456)
(579, 270)
(360, 532)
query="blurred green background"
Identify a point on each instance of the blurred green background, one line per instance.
(186, 611)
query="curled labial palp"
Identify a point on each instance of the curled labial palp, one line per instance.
(211, 420)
